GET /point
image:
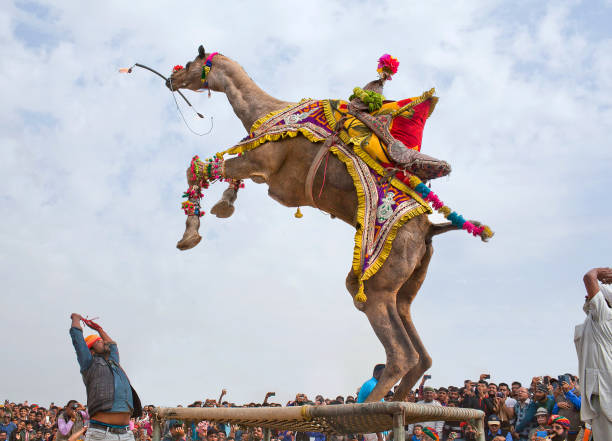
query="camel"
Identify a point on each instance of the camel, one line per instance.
(284, 166)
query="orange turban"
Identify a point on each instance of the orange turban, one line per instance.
(91, 339)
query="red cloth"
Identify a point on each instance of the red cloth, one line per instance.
(410, 130)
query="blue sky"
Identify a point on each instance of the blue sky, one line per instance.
(93, 169)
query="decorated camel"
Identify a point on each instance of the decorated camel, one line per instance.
(301, 150)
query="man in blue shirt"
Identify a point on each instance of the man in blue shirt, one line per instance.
(8, 426)
(111, 400)
(368, 386)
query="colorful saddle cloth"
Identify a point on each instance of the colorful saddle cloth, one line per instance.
(317, 119)
(385, 203)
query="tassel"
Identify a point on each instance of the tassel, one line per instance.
(298, 214)
(361, 297)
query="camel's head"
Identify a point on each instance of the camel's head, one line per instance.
(190, 76)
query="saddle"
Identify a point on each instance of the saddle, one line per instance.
(398, 130)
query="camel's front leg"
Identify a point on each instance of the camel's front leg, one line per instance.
(237, 169)
(191, 237)
(225, 206)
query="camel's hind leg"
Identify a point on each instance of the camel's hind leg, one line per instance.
(405, 296)
(382, 311)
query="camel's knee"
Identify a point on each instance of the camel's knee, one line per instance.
(425, 362)
(400, 366)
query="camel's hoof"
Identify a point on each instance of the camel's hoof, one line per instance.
(186, 243)
(223, 209)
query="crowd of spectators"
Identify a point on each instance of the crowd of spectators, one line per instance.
(512, 412)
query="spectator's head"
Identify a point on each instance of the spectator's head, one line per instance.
(340, 398)
(6, 418)
(428, 394)
(29, 425)
(442, 395)
(417, 430)
(71, 408)
(429, 433)
(541, 391)
(221, 435)
(212, 434)
(301, 398)
(559, 425)
(494, 423)
(2, 435)
(504, 389)
(96, 345)
(350, 399)
(257, 434)
(482, 387)
(378, 370)
(542, 416)
(492, 390)
(522, 394)
(389, 396)
(453, 393)
(515, 387)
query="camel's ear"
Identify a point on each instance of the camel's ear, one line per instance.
(201, 51)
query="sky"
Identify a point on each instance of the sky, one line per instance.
(93, 168)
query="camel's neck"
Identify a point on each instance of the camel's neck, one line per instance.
(246, 98)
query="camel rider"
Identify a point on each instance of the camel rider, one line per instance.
(401, 132)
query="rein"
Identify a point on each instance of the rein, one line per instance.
(129, 70)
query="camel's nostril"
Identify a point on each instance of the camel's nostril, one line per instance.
(168, 83)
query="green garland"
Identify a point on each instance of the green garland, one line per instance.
(373, 99)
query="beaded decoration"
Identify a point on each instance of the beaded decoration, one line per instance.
(202, 174)
(207, 66)
(455, 218)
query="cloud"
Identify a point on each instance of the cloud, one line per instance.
(93, 167)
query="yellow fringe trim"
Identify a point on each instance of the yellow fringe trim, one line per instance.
(329, 114)
(424, 97)
(393, 181)
(358, 218)
(269, 137)
(378, 263)
(257, 124)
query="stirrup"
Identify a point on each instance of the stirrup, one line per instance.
(423, 166)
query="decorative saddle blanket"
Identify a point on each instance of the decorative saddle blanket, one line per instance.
(385, 203)
(387, 198)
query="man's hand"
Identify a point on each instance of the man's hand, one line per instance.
(76, 320)
(566, 387)
(484, 376)
(605, 276)
(564, 405)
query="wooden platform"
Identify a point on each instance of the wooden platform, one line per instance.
(333, 419)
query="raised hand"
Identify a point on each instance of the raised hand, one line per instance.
(604, 275)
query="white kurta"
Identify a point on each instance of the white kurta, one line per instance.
(593, 340)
